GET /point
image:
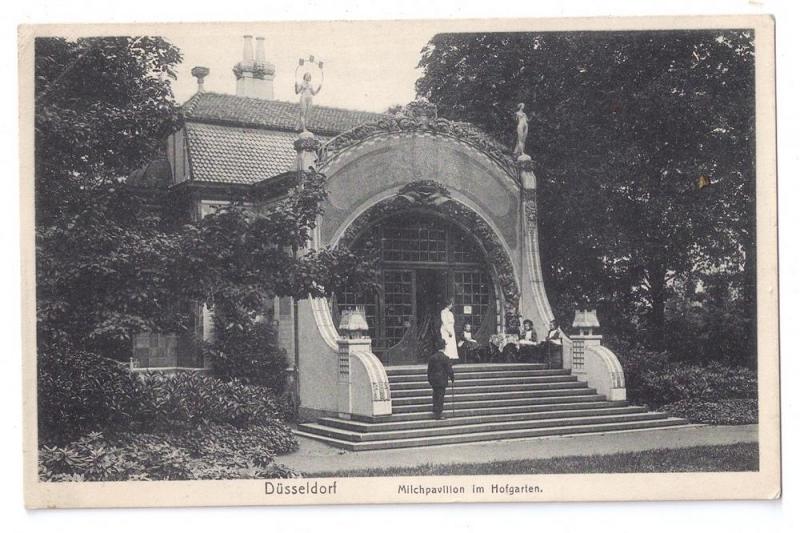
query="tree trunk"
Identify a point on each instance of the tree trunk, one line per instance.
(656, 276)
(750, 310)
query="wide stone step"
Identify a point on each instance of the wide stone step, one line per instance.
(427, 399)
(469, 390)
(580, 396)
(491, 435)
(477, 367)
(359, 436)
(430, 422)
(423, 383)
(426, 414)
(460, 374)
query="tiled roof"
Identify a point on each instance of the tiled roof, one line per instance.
(271, 114)
(226, 154)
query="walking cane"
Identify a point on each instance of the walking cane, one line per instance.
(453, 396)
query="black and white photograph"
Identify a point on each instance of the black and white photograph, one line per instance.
(372, 262)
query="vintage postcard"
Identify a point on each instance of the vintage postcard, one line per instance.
(506, 260)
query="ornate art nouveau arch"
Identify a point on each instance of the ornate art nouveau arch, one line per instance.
(419, 116)
(431, 197)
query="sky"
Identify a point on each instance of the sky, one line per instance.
(368, 66)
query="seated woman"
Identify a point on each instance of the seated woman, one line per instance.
(528, 345)
(552, 346)
(468, 348)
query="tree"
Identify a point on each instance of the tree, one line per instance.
(108, 265)
(623, 125)
(103, 106)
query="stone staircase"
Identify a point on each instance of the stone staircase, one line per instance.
(493, 402)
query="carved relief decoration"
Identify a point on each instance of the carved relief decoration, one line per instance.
(308, 144)
(422, 122)
(529, 198)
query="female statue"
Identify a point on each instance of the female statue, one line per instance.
(522, 130)
(307, 92)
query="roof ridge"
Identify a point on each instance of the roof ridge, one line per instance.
(192, 103)
(188, 105)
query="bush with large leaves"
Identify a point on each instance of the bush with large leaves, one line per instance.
(651, 378)
(99, 422)
(81, 392)
(250, 353)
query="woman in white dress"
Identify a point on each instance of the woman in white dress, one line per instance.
(448, 331)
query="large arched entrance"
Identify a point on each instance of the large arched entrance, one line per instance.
(423, 260)
(390, 177)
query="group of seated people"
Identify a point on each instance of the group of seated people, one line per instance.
(525, 348)
(529, 348)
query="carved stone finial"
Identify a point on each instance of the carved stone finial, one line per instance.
(586, 321)
(525, 163)
(306, 145)
(353, 324)
(421, 110)
(200, 73)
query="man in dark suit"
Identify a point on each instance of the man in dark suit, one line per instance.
(440, 369)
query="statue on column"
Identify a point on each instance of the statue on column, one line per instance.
(522, 130)
(306, 90)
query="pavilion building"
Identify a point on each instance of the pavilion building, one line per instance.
(452, 215)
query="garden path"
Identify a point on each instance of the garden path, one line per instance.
(314, 456)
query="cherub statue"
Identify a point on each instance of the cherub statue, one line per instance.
(522, 130)
(307, 92)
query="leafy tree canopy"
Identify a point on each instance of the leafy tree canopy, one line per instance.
(622, 127)
(103, 107)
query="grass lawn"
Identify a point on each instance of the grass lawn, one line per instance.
(727, 458)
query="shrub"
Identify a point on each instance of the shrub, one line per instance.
(227, 452)
(155, 426)
(250, 354)
(652, 379)
(276, 470)
(681, 381)
(80, 392)
(636, 362)
(190, 400)
(213, 452)
(93, 458)
(259, 444)
(725, 412)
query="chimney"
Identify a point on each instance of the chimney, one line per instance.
(254, 76)
(261, 56)
(247, 52)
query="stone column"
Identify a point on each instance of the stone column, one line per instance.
(536, 308)
(306, 146)
(527, 177)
